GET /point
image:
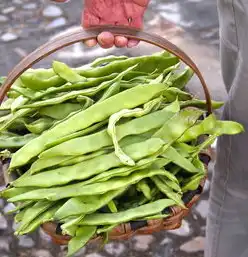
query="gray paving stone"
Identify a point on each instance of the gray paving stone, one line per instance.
(41, 253)
(3, 222)
(94, 255)
(52, 11)
(4, 244)
(166, 241)
(59, 22)
(9, 36)
(8, 10)
(30, 6)
(17, 2)
(194, 245)
(114, 248)
(1, 203)
(142, 242)
(8, 207)
(25, 241)
(15, 225)
(184, 230)
(80, 253)
(3, 18)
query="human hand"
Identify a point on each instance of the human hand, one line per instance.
(112, 12)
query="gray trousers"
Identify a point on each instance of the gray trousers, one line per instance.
(227, 224)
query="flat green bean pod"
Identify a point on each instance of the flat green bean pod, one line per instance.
(44, 217)
(112, 90)
(31, 213)
(176, 197)
(80, 133)
(66, 73)
(85, 118)
(94, 83)
(39, 126)
(200, 104)
(90, 167)
(93, 142)
(35, 82)
(143, 187)
(145, 64)
(11, 192)
(83, 235)
(138, 112)
(79, 189)
(124, 216)
(203, 128)
(13, 141)
(180, 80)
(173, 93)
(106, 60)
(178, 124)
(13, 117)
(126, 171)
(60, 111)
(41, 164)
(84, 205)
(70, 226)
(18, 102)
(175, 157)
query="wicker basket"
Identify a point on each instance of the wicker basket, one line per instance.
(127, 230)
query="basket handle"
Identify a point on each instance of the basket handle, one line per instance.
(81, 35)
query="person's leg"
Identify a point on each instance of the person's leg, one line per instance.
(227, 224)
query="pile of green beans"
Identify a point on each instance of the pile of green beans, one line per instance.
(93, 147)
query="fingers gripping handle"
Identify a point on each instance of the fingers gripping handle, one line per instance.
(82, 35)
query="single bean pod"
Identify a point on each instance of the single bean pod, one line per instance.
(36, 82)
(137, 112)
(84, 205)
(173, 93)
(106, 60)
(83, 235)
(93, 142)
(90, 83)
(126, 171)
(112, 90)
(125, 216)
(145, 64)
(174, 156)
(61, 161)
(90, 167)
(39, 126)
(80, 133)
(13, 117)
(31, 213)
(44, 217)
(178, 124)
(176, 197)
(59, 111)
(66, 73)
(13, 141)
(54, 194)
(143, 187)
(200, 104)
(180, 80)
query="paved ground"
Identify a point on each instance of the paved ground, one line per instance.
(192, 25)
